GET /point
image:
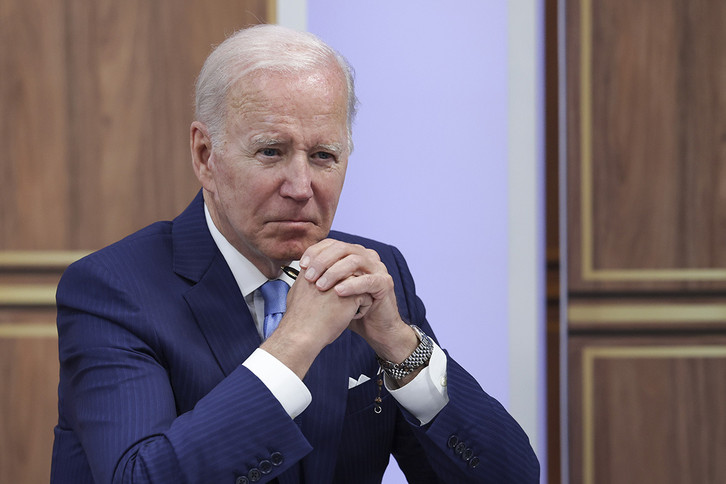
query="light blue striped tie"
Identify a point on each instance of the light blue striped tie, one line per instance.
(275, 295)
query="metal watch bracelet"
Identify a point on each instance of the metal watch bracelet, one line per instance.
(420, 357)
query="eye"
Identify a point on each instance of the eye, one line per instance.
(324, 156)
(269, 152)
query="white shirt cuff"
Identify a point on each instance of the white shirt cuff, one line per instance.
(426, 395)
(284, 384)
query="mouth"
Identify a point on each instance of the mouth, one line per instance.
(293, 223)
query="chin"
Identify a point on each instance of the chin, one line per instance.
(290, 245)
(290, 250)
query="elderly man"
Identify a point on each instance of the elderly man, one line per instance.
(184, 358)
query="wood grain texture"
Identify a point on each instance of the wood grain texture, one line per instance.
(648, 409)
(133, 66)
(28, 407)
(646, 227)
(96, 99)
(34, 105)
(646, 136)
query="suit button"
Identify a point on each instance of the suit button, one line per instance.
(453, 440)
(474, 462)
(241, 480)
(254, 474)
(468, 454)
(460, 447)
(276, 459)
(265, 466)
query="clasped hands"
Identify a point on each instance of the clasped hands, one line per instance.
(340, 286)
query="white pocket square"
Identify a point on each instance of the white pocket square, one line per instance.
(352, 382)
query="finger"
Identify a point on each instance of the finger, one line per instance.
(320, 257)
(377, 285)
(320, 312)
(312, 252)
(349, 266)
(365, 303)
(313, 260)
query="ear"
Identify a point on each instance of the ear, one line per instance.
(201, 146)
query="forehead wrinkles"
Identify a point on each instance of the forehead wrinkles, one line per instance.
(274, 99)
(324, 92)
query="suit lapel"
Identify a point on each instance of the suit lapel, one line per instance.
(223, 316)
(214, 299)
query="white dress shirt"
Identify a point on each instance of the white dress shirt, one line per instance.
(423, 397)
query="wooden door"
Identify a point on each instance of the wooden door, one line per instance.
(646, 240)
(95, 105)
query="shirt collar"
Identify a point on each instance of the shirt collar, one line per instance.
(248, 277)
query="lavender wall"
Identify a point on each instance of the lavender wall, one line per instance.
(430, 172)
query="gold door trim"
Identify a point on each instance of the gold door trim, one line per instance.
(271, 11)
(644, 313)
(39, 259)
(27, 295)
(28, 330)
(39, 264)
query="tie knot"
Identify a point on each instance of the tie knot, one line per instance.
(275, 295)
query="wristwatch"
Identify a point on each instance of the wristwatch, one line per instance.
(420, 357)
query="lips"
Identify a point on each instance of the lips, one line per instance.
(293, 220)
(293, 223)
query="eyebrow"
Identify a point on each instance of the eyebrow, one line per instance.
(334, 148)
(261, 140)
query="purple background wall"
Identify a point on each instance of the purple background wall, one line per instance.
(429, 170)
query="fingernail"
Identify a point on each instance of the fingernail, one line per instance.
(322, 282)
(304, 262)
(309, 273)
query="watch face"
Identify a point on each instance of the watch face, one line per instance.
(420, 356)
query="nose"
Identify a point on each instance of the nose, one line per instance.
(297, 183)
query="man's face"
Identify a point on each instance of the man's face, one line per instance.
(274, 184)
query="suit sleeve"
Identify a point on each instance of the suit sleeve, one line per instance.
(116, 396)
(473, 439)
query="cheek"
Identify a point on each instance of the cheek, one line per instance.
(233, 181)
(332, 199)
(332, 188)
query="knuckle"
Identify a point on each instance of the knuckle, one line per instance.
(358, 261)
(354, 260)
(372, 254)
(388, 281)
(370, 284)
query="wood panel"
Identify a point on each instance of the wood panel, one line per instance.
(34, 107)
(648, 409)
(96, 99)
(28, 402)
(646, 154)
(645, 124)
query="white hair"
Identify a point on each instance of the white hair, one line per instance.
(263, 48)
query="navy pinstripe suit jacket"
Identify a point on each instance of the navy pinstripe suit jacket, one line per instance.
(152, 331)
